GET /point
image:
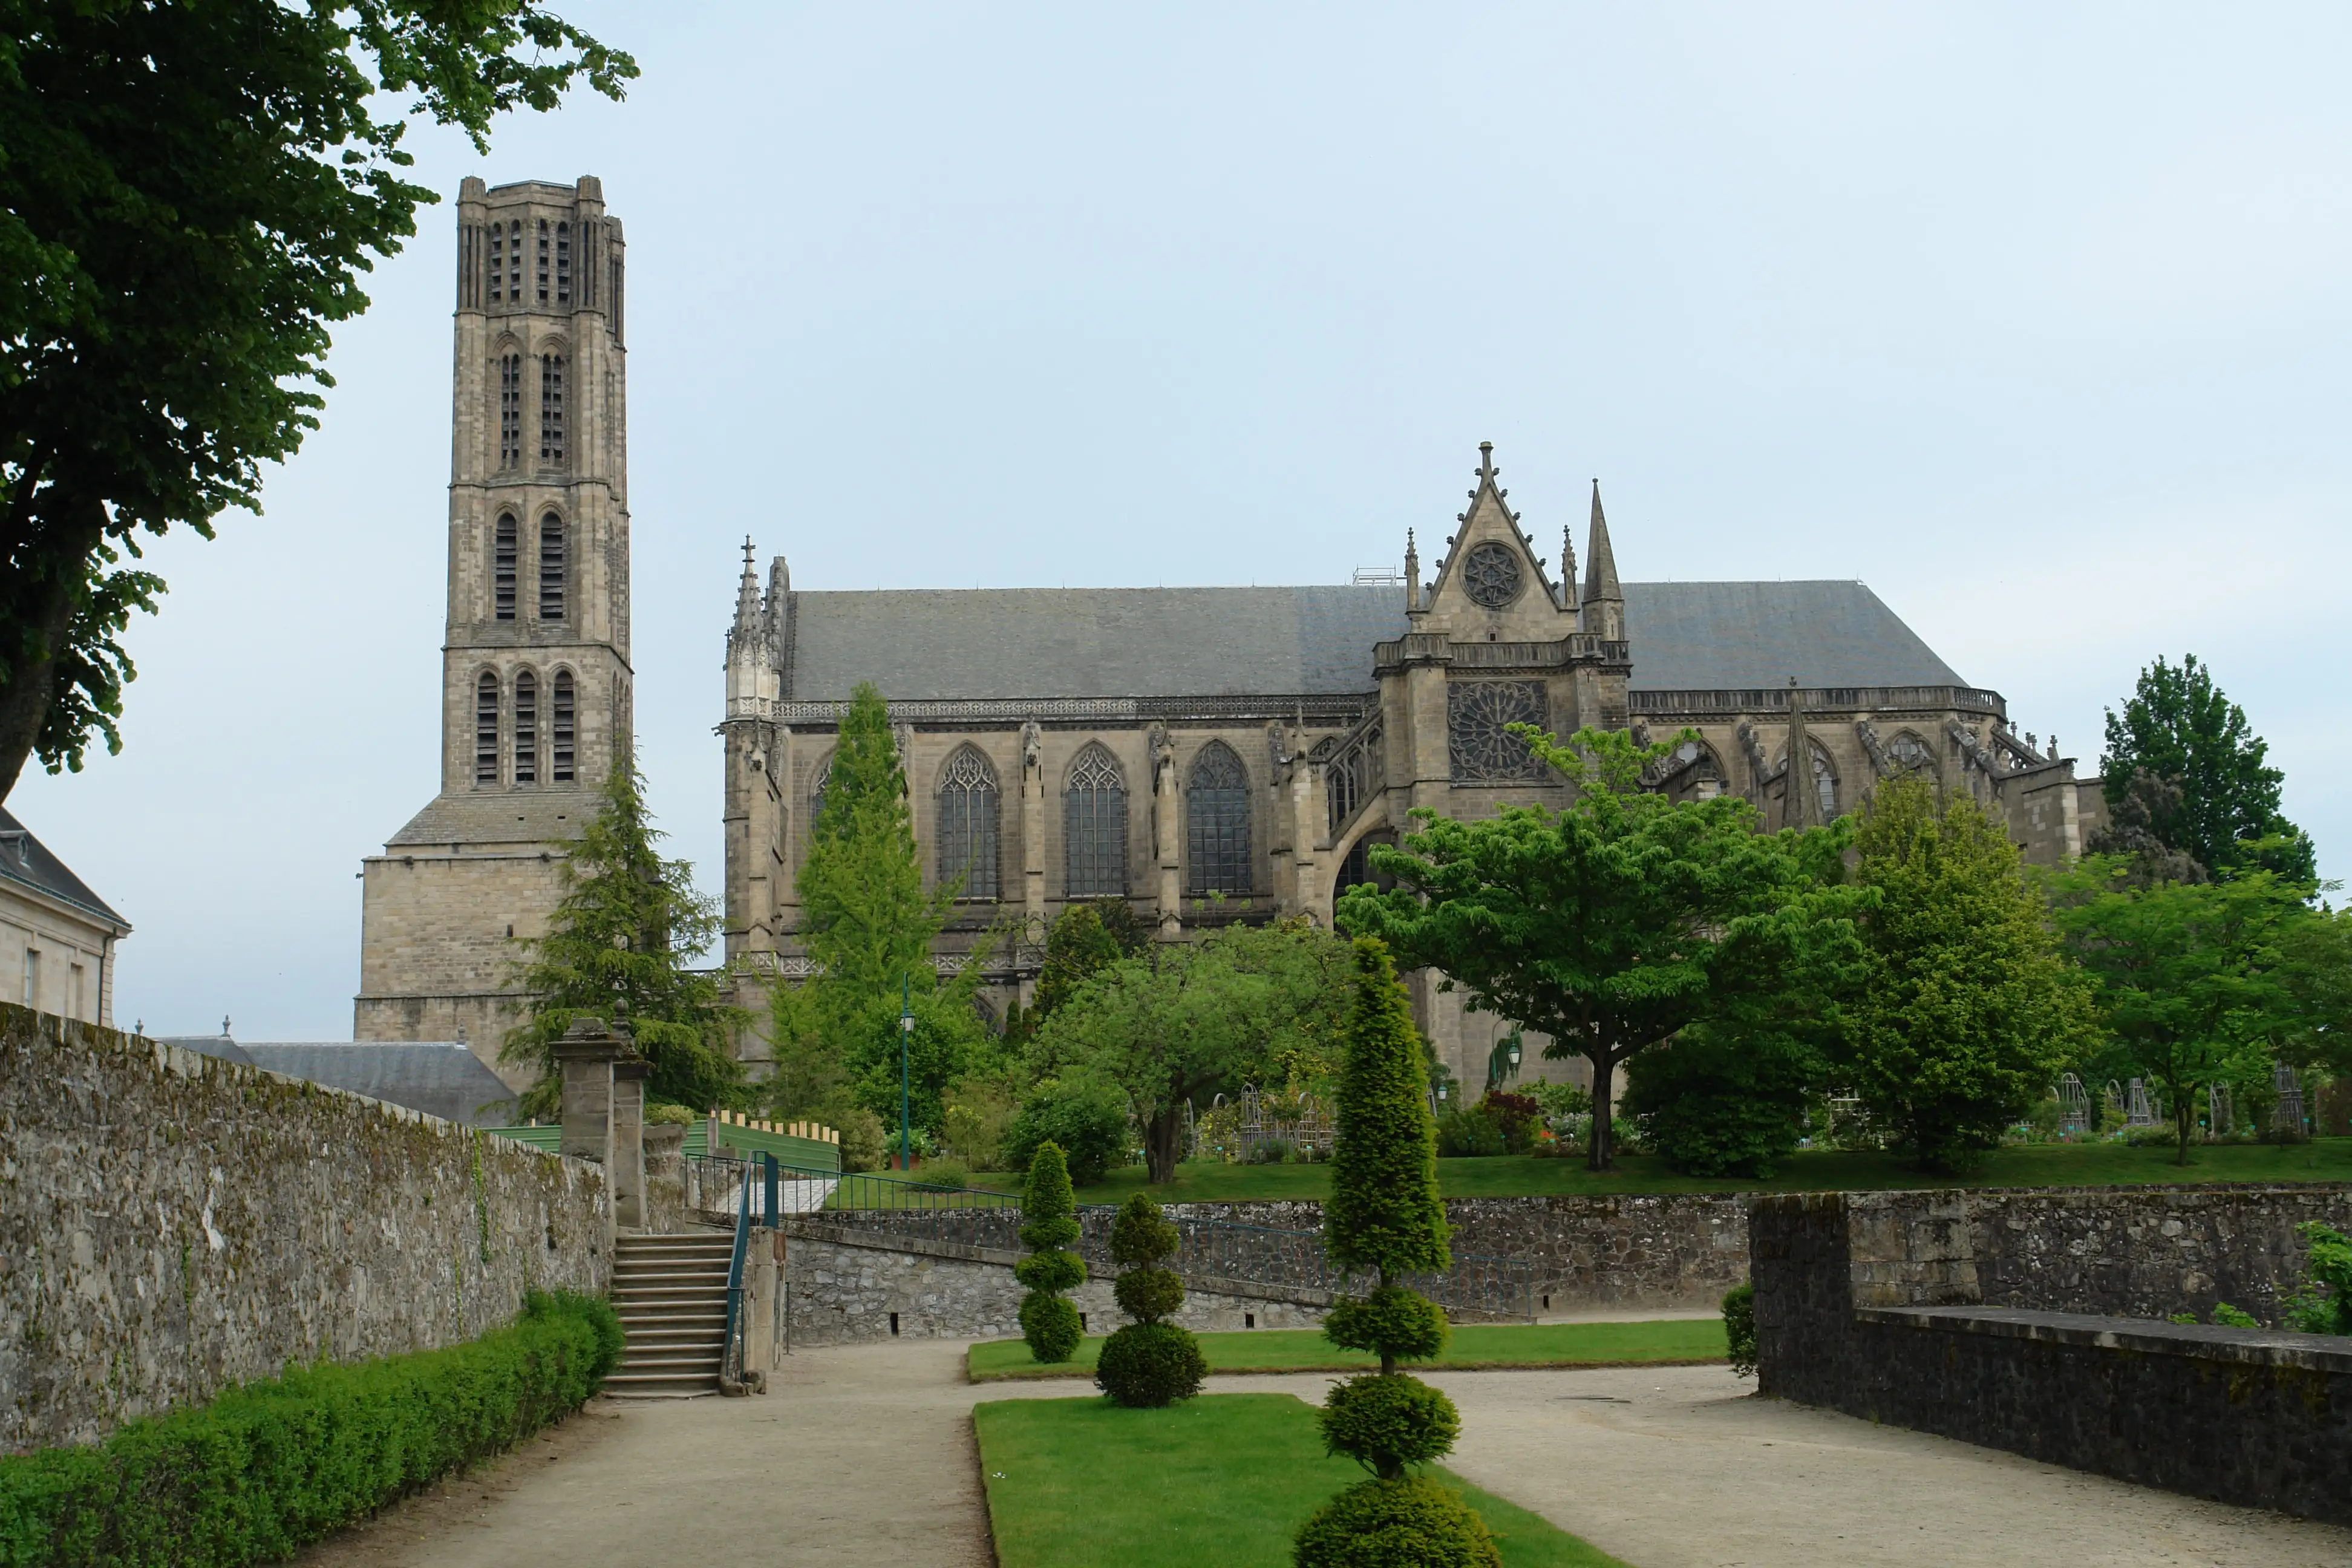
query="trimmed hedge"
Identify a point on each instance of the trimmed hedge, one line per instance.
(271, 1466)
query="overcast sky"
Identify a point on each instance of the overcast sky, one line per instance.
(2035, 322)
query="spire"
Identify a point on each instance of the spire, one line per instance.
(1412, 574)
(1568, 567)
(1600, 587)
(747, 593)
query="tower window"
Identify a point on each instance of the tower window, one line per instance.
(502, 568)
(551, 568)
(510, 410)
(1217, 820)
(514, 263)
(563, 264)
(560, 730)
(968, 800)
(1093, 828)
(551, 408)
(542, 261)
(486, 730)
(497, 261)
(526, 733)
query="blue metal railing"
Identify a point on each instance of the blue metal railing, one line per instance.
(732, 1358)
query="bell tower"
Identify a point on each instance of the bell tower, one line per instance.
(535, 693)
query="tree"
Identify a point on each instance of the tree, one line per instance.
(868, 926)
(1615, 924)
(1048, 1226)
(2187, 975)
(2180, 726)
(1243, 1004)
(1149, 1362)
(624, 935)
(1081, 945)
(1384, 1217)
(189, 197)
(1967, 1011)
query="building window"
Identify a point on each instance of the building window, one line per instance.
(1824, 781)
(510, 410)
(561, 736)
(1478, 716)
(542, 261)
(486, 728)
(526, 728)
(77, 984)
(502, 568)
(1217, 820)
(968, 798)
(33, 978)
(551, 408)
(1093, 828)
(551, 568)
(514, 262)
(497, 261)
(1911, 753)
(563, 264)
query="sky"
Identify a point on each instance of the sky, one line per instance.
(2033, 319)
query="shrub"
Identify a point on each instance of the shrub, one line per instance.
(2227, 1317)
(660, 1114)
(863, 1141)
(1739, 1327)
(1085, 1117)
(979, 1108)
(1048, 1226)
(1146, 1365)
(1468, 1134)
(2323, 1304)
(1413, 1523)
(1719, 1106)
(1516, 1116)
(272, 1465)
(1385, 1421)
(942, 1175)
(1404, 1322)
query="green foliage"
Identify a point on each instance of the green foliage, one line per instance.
(266, 1467)
(664, 1115)
(2178, 726)
(1401, 1324)
(1615, 924)
(626, 932)
(1968, 1011)
(865, 1142)
(1383, 1213)
(190, 198)
(1468, 1135)
(1049, 1224)
(2188, 976)
(1179, 1021)
(1387, 1420)
(1147, 1295)
(1716, 1103)
(2324, 1303)
(980, 1108)
(1141, 1234)
(1739, 1327)
(2227, 1317)
(1082, 1114)
(1150, 1366)
(1077, 948)
(1410, 1524)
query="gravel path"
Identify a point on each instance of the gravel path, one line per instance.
(863, 1454)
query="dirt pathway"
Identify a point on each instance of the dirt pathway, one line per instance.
(863, 1454)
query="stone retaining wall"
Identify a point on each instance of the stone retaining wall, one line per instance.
(171, 1223)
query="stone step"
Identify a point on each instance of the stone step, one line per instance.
(660, 1386)
(673, 1363)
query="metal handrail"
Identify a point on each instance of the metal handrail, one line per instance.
(732, 1358)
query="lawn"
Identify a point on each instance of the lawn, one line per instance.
(2017, 1165)
(1227, 1479)
(1674, 1342)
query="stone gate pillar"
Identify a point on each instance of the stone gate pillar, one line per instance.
(628, 1165)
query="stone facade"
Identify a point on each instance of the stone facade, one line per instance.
(171, 1223)
(536, 687)
(57, 937)
(1221, 754)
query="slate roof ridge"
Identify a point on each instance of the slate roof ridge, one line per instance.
(37, 866)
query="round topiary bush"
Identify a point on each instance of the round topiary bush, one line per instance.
(1050, 1323)
(1147, 1295)
(1146, 1365)
(1403, 1324)
(1411, 1524)
(1385, 1421)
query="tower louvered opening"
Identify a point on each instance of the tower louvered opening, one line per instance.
(968, 823)
(486, 728)
(1094, 827)
(543, 260)
(563, 264)
(510, 410)
(550, 409)
(551, 568)
(526, 729)
(560, 730)
(1217, 822)
(503, 564)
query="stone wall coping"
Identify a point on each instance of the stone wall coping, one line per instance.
(2145, 1336)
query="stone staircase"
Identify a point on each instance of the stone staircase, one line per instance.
(671, 1293)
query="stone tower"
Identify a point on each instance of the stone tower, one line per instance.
(535, 691)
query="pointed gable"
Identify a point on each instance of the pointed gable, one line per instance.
(1491, 584)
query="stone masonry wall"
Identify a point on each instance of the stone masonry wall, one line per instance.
(171, 1223)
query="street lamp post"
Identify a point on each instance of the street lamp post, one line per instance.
(906, 1037)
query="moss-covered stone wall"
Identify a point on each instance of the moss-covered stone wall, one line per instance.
(171, 1223)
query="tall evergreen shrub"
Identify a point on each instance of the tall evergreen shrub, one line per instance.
(1384, 1217)
(1149, 1363)
(1049, 1224)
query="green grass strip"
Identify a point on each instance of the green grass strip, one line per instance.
(1226, 1478)
(1669, 1341)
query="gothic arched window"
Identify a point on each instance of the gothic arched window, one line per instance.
(1217, 822)
(550, 407)
(968, 799)
(502, 568)
(1825, 786)
(816, 794)
(1697, 770)
(526, 728)
(551, 568)
(564, 731)
(1093, 828)
(486, 728)
(1911, 753)
(510, 410)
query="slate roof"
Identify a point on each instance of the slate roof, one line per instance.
(27, 862)
(441, 1077)
(504, 816)
(220, 1045)
(922, 645)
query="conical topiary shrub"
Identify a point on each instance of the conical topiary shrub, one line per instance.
(1383, 1217)
(1049, 1224)
(1149, 1363)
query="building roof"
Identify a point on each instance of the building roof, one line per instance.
(220, 1045)
(547, 816)
(27, 862)
(919, 645)
(441, 1077)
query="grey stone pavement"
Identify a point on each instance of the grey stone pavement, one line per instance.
(863, 1454)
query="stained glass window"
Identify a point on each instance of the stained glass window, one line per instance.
(968, 801)
(1477, 713)
(1217, 820)
(1094, 827)
(1490, 574)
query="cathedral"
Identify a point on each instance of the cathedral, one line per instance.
(1208, 755)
